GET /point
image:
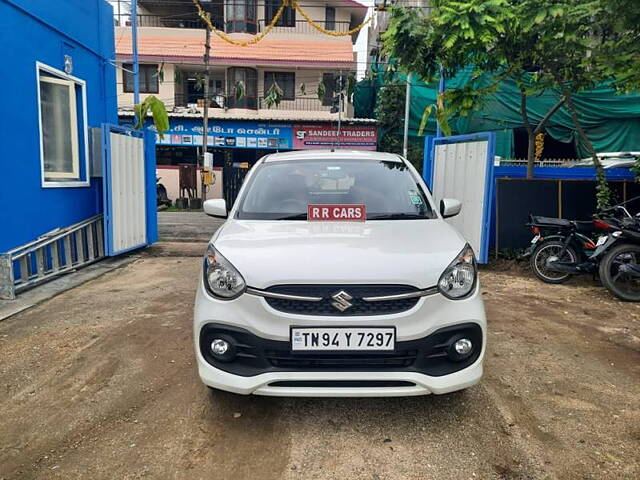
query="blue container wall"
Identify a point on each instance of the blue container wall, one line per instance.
(40, 31)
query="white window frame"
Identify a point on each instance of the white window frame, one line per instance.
(48, 180)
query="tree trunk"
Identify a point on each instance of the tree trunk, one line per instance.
(603, 194)
(532, 133)
(531, 153)
(531, 145)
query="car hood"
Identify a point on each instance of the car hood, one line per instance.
(409, 252)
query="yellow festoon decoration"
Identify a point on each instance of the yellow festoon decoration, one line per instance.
(539, 146)
(241, 43)
(244, 43)
(320, 28)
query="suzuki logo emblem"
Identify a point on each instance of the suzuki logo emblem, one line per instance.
(341, 300)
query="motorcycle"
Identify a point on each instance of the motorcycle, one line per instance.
(561, 248)
(620, 266)
(161, 194)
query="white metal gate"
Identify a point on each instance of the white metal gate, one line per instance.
(124, 189)
(462, 168)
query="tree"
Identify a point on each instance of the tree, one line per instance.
(561, 46)
(487, 34)
(389, 112)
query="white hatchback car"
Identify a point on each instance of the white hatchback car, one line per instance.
(335, 275)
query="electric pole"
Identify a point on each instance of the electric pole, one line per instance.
(205, 113)
(407, 110)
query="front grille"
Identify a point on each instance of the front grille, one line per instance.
(286, 359)
(255, 355)
(342, 383)
(325, 307)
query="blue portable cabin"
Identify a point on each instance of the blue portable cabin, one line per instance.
(36, 37)
(58, 69)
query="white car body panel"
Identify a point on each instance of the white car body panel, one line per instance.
(283, 252)
(280, 252)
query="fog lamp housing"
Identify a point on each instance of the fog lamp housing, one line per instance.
(460, 348)
(219, 346)
(222, 348)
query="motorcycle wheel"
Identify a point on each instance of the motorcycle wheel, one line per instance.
(540, 256)
(620, 272)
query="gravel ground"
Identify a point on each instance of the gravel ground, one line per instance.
(100, 382)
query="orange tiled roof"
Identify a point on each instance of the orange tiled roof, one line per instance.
(188, 45)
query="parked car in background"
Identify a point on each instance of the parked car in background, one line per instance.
(335, 274)
(610, 160)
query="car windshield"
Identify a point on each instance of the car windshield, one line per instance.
(282, 190)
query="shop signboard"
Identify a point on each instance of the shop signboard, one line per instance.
(228, 134)
(359, 137)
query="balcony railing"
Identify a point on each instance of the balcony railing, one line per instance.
(191, 20)
(217, 100)
(299, 104)
(302, 26)
(174, 21)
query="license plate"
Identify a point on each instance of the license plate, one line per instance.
(535, 239)
(342, 339)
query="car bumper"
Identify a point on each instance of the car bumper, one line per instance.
(380, 384)
(263, 328)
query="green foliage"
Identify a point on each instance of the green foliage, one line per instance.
(567, 45)
(603, 192)
(160, 72)
(158, 112)
(425, 118)
(321, 90)
(238, 90)
(351, 85)
(389, 112)
(273, 95)
(390, 115)
(619, 47)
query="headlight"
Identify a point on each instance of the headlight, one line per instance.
(459, 278)
(221, 279)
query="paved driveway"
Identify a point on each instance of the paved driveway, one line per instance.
(186, 226)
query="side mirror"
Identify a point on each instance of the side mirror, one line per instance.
(450, 207)
(216, 207)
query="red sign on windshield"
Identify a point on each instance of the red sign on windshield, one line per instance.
(336, 213)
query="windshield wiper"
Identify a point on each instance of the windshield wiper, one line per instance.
(297, 216)
(398, 216)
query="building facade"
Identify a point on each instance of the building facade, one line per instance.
(244, 125)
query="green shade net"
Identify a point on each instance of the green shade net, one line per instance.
(611, 121)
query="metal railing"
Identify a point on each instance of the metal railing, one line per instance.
(183, 100)
(306, 104)
(191, 20)
(302, 26)
(188, 20)
(57, 252)
(299, 104)
(548, 162)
